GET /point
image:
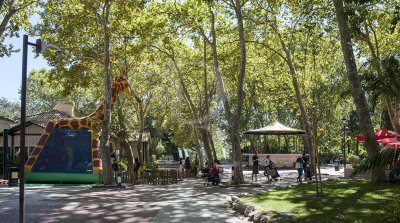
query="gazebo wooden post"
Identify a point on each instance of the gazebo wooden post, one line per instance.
(279, 142)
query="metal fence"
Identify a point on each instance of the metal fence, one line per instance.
(160, 176)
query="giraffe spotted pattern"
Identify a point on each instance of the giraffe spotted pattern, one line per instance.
(91, 122)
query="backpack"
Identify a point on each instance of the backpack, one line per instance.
(141, 169)
(271, 165)
(215, 177)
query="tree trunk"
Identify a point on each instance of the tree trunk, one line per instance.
(135, 152)
(206, 106)
(232, 119)
(196, 121)
(140, 116)
(356, 90)
(315, 146)
(129, 156)
(357, 143)
(124, 140)
(237, 156)
(204, 136)
(299, 100)
(140, 148)
(7, 17)
(394, 117)
(104, 145)
(157, 136)
(212, 146)
(197, 146)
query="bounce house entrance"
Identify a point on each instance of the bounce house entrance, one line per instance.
(67, 151)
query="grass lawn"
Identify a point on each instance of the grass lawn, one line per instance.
(345, 200)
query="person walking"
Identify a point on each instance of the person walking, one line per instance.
(255, 167)
(299, 167)
(187, 167)
(119, 181)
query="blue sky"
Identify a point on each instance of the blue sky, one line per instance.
(11, 68)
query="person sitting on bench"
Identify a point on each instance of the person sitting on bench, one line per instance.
(394, 175)
(214, 176)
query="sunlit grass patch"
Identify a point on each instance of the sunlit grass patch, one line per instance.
(345, 200)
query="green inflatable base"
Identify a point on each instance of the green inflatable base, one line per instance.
(61, 178)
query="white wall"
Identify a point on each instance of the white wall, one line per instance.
(30, 141)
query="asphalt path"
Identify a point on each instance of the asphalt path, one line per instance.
(187, 201)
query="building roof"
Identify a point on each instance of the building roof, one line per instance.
(8, 119)
(275, 129)
(40, 119)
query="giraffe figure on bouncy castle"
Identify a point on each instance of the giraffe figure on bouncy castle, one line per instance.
(91, 122)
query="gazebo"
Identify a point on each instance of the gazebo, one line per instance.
(277, 129)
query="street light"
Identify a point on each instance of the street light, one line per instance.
(344, 121)
(40, 47)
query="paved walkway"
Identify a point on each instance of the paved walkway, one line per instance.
(187, 201)
(194, 203)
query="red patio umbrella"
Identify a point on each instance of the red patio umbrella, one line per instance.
(390, 140)
(393, 145)
(381, 133)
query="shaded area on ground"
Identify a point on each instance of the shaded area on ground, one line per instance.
(187, 201)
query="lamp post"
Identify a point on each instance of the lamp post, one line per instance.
(344, 121)
(40, 47)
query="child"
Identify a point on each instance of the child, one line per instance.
(267, 168)
(119, 181)
(181, 168)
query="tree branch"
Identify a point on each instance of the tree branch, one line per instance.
(268, 47)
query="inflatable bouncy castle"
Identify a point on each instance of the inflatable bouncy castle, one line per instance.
(68, 149)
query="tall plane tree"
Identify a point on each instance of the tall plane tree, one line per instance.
(356, 90)
(231, 115)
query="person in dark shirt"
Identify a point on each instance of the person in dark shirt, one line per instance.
(268, 168)
(187, 167)
(255, 166)
(394, 175)
(136, 166)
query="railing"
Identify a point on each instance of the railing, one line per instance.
(160, 176)
(194, 172)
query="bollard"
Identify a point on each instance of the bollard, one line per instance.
(233, 173)
(13, 177)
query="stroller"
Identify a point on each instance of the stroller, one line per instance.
(309, 172)
(212, 176)
(271, 171)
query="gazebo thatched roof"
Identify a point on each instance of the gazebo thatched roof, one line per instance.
(275, 129)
